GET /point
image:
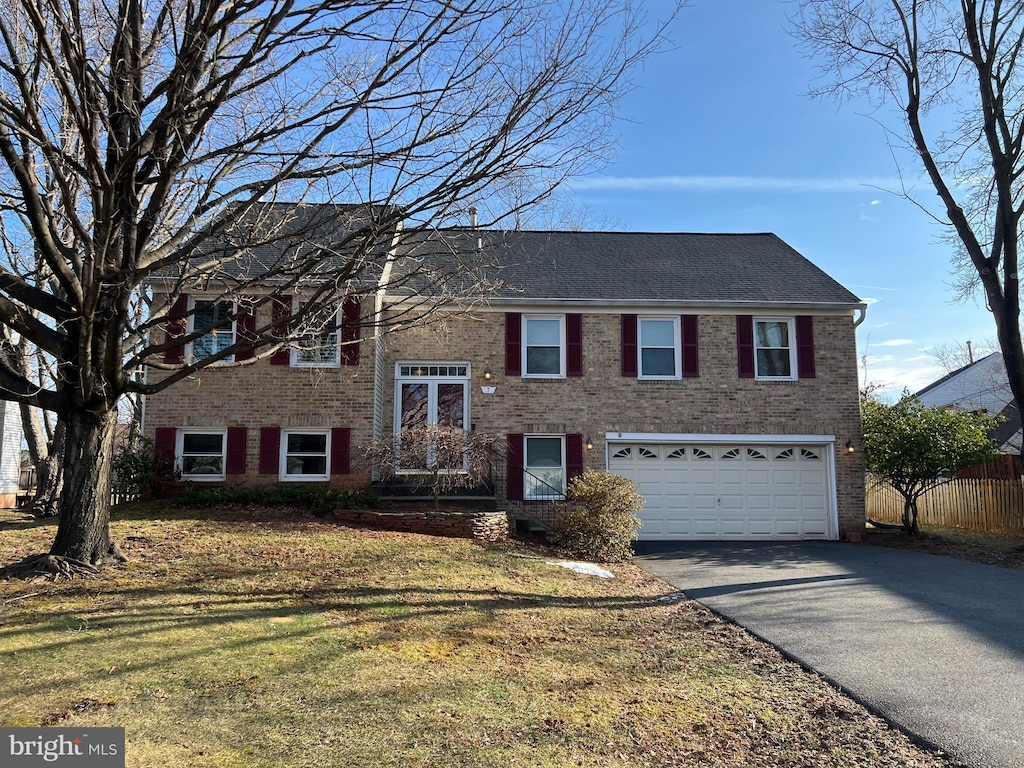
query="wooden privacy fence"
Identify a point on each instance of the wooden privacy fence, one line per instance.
(989, 506)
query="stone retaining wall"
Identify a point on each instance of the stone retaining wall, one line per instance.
(483, 525)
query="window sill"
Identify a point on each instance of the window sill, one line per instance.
(303, 478)
(203, 478)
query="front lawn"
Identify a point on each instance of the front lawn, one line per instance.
(251, 638)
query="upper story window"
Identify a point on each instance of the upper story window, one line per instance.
(543, 347)
(318, 348)
(215, 315)
(774, 349)
(658, 348)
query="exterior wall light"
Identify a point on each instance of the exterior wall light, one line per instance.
(487, 374)
(590, 444)
(849, 446)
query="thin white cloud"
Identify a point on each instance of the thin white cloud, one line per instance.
(896, 343)
(869, 301)
(875, 202)
(872, 287)
(795, 185)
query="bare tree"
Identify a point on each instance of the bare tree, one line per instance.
(149, 147)
(954, 355)
(952, 72)
(440, 458)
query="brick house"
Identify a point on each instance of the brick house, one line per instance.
(716, 370)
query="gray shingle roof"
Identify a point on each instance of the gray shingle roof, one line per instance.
(649, 267)
(273, 242)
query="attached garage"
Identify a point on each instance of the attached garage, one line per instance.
(730, 487)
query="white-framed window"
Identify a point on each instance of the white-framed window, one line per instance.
(432, 394)
(774, 348)
(658, 354)
(318, 348)
(305, 454)
(544, 467)
(202, 453)
(217, 316)
(544, 346)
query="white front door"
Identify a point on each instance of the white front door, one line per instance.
(430, 395)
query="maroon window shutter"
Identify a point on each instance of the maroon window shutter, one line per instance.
(691, 358)
(341, 463)
(745, 346)
(805, 346)
(246, 325)
(176, 325)
(350, 316)
(513, 345)
(270, 450)
(629, 367)
(236, 451)
(514, 463)
(573, 456)
(164, 445)
(574, 345)
(280, 310)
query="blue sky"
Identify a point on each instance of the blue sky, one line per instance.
(720, 136)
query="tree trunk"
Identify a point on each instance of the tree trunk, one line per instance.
(50, 476)
(910, 517)
(84, 530)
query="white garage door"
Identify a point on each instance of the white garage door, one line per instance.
(728, 491)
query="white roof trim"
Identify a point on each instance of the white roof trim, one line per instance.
(673, 437)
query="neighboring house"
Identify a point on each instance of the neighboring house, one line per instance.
(717, 371)
(980, 386)
(10, 453)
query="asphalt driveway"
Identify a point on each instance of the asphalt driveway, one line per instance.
(935, 644)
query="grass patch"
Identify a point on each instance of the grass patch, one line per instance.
(246, 638)
(990, 548)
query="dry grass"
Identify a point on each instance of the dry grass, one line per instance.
(251, 639)
(989, 548)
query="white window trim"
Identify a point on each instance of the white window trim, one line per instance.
(179, 450)
(793, 373)
(526, 469)
(192, 321)
(677, 349)
(295, 362)
(561, 347)
(432, 381)
(282, 466)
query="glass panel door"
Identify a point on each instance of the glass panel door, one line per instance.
(432, 396)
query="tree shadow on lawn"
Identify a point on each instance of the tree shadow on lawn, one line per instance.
(395, 612)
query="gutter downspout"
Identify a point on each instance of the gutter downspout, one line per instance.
(863, 310)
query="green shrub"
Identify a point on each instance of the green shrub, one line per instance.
(319, 500)
(599, 522)
(136, 466)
